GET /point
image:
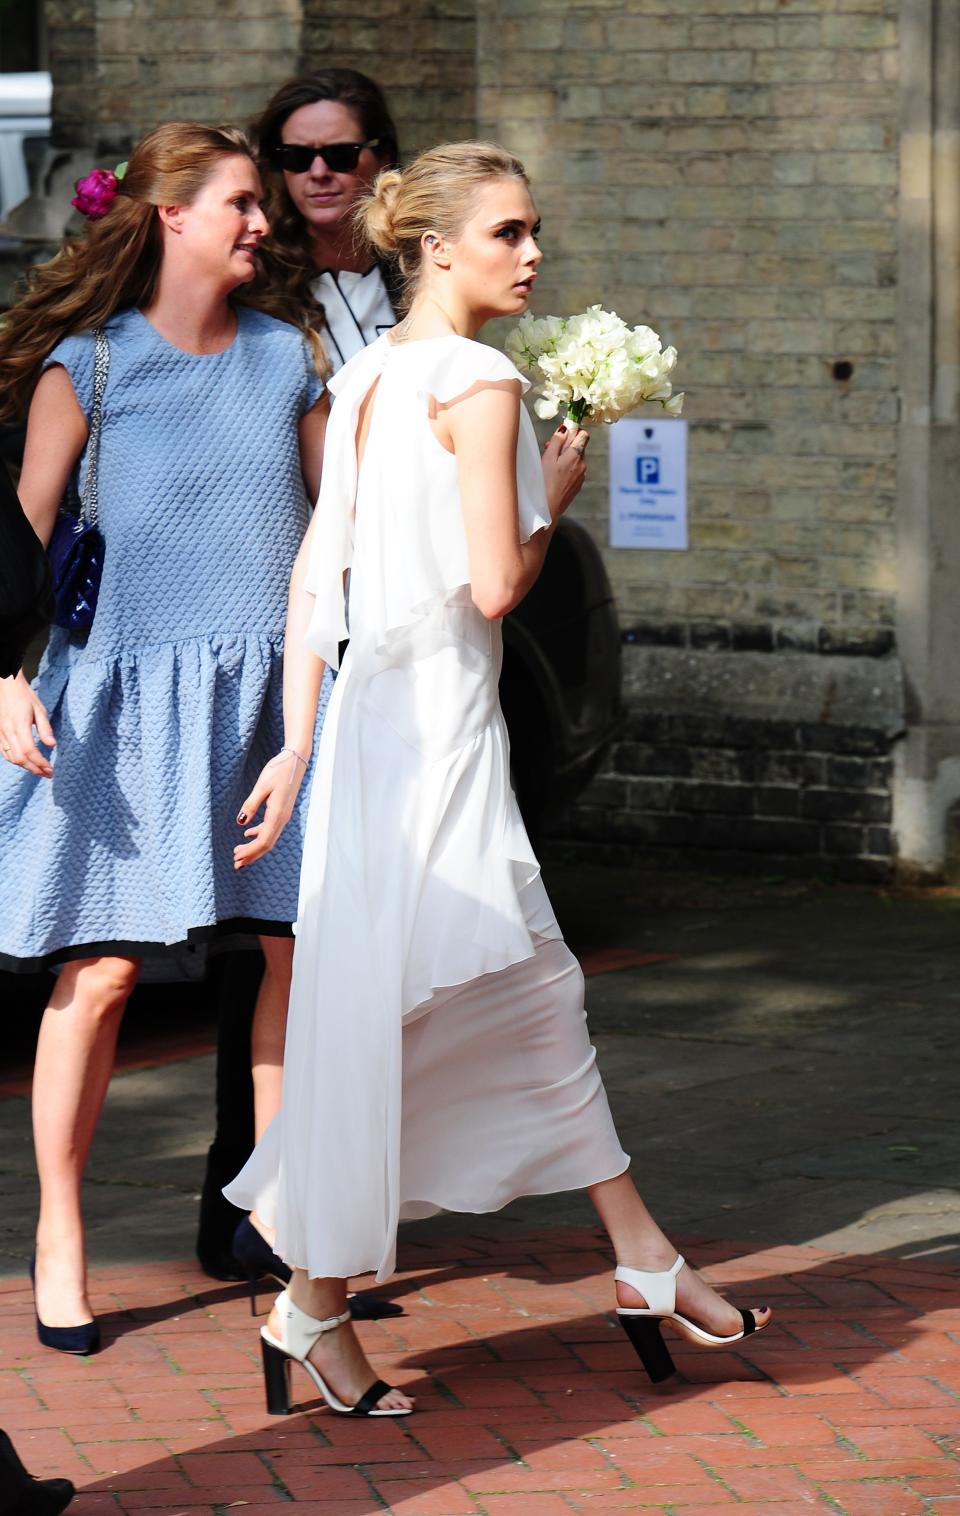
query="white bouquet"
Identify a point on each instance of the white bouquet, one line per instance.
(593, 367)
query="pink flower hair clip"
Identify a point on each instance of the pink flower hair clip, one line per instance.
(97, 191)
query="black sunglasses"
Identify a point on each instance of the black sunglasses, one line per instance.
(340, 157)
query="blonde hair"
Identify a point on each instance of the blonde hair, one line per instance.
(436, 193)
(115, 262)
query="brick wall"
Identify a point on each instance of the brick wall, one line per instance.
(72, 51)
(122, 66)
(726, 170)
(811, 798)
(423, 52)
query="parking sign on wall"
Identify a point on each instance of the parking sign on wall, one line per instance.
(648, 484)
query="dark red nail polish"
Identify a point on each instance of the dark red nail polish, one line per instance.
(241, 818)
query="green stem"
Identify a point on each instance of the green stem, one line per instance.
(576, 411)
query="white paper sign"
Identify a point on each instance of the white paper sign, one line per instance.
(648, 484)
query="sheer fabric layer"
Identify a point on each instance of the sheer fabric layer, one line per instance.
(432, 998)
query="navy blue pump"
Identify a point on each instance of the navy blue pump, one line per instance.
(81, 1339)
(258, 1260)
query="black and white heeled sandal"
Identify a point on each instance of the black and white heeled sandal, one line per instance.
(299, 1333)
(643, 1324)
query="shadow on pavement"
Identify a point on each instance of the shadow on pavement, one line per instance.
(524, 1386)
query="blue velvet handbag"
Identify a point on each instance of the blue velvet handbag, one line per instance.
(76, 547)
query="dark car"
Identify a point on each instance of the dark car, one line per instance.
(560, 687)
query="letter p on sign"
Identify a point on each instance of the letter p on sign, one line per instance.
(648, 470)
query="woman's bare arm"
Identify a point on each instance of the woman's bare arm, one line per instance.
(56, 434)
(481, 430)
(313, 429)
(279, 783)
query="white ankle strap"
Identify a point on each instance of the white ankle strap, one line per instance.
(298, 1330)
(659, 1290)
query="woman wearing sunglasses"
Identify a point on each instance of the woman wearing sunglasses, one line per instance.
(323, 139)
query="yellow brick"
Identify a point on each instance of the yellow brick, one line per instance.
(859, 31)
(723, 169)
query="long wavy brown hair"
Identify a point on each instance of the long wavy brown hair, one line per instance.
(115, 261)
(285, 256)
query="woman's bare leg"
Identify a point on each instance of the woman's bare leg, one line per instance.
(640, 1244)
(75, 1054)
(270, 1030)
(337, 1355)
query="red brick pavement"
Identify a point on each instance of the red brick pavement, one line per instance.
(530, 1402)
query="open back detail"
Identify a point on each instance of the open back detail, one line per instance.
(437, 1054)
(410, 532)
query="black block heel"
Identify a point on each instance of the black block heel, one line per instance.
(645, 1335)
(276, 1379)
(296, 1333)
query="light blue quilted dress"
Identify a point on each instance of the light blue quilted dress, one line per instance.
(166, 716)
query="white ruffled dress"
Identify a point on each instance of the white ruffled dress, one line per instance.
(437, 1051)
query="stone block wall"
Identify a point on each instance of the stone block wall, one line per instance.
(809, 798)
(423, 52)
(726, 170)
(773, 184)
(752, 756)
(122, 66)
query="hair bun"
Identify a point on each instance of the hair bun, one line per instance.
(378, 212)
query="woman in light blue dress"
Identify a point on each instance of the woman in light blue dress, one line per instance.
(135, 747)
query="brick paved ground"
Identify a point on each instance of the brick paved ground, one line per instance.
(781, 1061)
(529, 1401)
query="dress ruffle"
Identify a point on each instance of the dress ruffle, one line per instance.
(140, 812)
(419, 556)
(418, 877)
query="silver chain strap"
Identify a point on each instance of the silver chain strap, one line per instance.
(101, 364)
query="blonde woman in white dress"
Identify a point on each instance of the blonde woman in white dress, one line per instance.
(437, 1052)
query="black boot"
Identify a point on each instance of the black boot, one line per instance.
(218, 1219)
(20, 1495)
(233, 982)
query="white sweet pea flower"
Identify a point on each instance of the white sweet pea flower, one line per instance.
(546, 409)
(593, 366)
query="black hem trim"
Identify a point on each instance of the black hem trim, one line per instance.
(219, 933)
